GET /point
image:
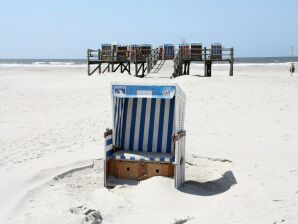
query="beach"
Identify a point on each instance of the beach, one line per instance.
(241, 147)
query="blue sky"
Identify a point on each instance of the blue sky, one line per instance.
(65, 28)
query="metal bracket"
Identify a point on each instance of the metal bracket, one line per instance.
(108, 132)
(179, 135)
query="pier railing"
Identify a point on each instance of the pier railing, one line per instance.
(120, 55)
(152, 59)
(183, 57)
(178, 64)
(144, 60)
(94, 55)
(207, 54)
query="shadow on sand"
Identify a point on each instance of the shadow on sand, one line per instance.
(210, 188)
(157, 68)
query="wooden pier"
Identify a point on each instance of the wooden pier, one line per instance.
(143, 60)
(183, 59)
(111, 58)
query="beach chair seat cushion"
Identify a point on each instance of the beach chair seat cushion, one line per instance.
(143, 156)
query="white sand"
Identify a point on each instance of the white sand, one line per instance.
(242, 148)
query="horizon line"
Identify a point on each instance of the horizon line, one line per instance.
(86, 58)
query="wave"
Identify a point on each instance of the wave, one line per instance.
(61, 63)
(43, 64)
(38, 63)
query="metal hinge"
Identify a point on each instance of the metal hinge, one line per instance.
(179, 135)
(108, 132)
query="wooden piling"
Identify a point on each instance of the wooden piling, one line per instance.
(113, 57)
(232, 62)
(205, 57)
(88, 58)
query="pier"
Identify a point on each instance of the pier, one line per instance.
(144, 59)
(122, 57)
(184, 57)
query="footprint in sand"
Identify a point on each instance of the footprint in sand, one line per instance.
(91, 216)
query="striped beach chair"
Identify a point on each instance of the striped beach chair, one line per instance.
(148, 136)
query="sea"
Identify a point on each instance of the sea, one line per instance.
(246, 61)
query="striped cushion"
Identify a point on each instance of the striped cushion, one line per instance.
(139, 156)
(144, 124)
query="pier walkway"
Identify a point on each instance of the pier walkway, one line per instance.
(163, 69)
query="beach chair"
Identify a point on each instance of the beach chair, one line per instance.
(106, 52)
(216, 51)
(169, 51)
(196, 51)
(145, 51)
(185, 51)
(148, 136)
(122, 53)
(134, 52)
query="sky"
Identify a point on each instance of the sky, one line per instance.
(67, 28)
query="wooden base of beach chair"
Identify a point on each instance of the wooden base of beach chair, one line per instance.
(138, 170)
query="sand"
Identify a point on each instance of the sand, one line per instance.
(242, 141)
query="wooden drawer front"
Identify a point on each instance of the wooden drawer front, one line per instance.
(139, 170)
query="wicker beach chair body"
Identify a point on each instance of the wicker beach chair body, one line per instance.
(148, 136)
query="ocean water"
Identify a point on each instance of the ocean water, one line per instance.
(41, 62)
(264, 60)
(245, 61)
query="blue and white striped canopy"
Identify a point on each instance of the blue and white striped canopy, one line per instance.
(144, 118)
